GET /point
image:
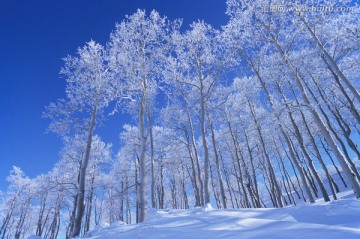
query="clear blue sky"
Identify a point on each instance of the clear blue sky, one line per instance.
(34, 36)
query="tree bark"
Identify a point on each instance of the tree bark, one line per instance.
(303, 148)
(217, 164)
(331, 60)
(193, 169)
(273, 181)
(240, 178)
(153, 199)
(142, 164)
(197, 159)
(81, 190)
(324, 130)
(283, 133)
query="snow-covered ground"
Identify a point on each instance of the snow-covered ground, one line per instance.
(333, 220)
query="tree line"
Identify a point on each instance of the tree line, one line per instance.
(261, 112)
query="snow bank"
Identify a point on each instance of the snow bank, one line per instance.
(334, 220)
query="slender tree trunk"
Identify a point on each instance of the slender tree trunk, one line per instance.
(338, 138)
(183, 188)
(205, 148)
(20, 223)
(285, 136)
(215, 191)
(238, 161)
(285, 185)
(9, 214)
(161, 190)
(70, 227)
(256, 189)
(332, 62)
(227, 179)
(193, 167)
(334, 164)
(318, 155)
(295, 174)
(89, 205)
(273, 181)
(142, 164)
(41, 223)
(127, 201)
(335, 112)
(346, 132)
(173, 192)
(317, 152)
(153, 199)
(299, 168)
(303, 148)
(267, 181)
(81, 190)
(324, 130)
(137, 189)
(352, 107)
(197, 159)
(285, 172)
(329, 139)
(217, 164)
(240, 186)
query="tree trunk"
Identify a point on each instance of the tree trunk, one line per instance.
(273, 181)
(206, 150)
(89, 205)
(345, 128)
(285, 136)
(153, 199)
(352, 107)
(82, 177)
(215, 192)
(142, 164)
(302, 146)
(193, 169)
(41, 223)
(197, 159)
(137, 189)
(217, 164)
(285, 172)
(317, 152)
(335, 112)
(332, 160)
(256, 191)
(238, 164)
(227, 179)
(332, 62)
(324, 130)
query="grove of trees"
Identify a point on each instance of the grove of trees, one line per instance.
(263, 112)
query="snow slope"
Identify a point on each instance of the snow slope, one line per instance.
(333, 220)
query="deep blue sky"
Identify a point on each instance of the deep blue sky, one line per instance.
(34, 37)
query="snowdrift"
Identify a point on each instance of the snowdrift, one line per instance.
(333, 220)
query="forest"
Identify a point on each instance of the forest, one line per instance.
(262, 112)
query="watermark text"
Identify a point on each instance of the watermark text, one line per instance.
(301, 8)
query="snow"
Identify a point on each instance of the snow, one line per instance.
(34, 237)
(332, 220)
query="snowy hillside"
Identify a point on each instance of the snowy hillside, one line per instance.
(337, 219)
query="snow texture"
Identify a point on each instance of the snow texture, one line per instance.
(333, 220)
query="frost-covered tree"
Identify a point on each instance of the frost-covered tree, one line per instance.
(18, 212)
(256, 114)
(272, 31)
(138, 46)
(88, 93)
(193, 72)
